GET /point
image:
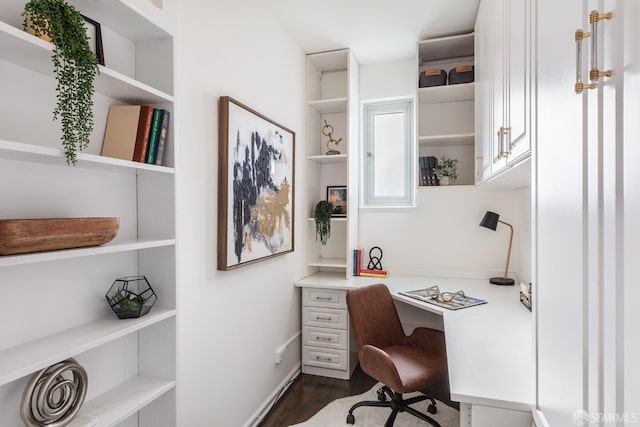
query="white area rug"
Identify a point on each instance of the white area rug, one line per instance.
(335, 413)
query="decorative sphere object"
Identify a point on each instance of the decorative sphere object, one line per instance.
(131, 297)
(54, 395)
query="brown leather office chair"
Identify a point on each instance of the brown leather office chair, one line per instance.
(404, 364)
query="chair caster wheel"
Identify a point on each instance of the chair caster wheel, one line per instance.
(351, 419)
(432, 409)
(382, 397)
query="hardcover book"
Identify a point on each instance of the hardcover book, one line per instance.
(121, 131)
(162, 138)
(154, 136)
(142, 138)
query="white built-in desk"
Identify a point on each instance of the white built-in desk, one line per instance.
(489, 347)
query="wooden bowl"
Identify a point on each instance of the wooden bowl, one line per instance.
(20, 236)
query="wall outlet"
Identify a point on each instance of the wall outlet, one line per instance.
(279, 354)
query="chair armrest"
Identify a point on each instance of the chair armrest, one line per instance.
(431, 341)
(380, 366)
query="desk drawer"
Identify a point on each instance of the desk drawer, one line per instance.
(323, 337)
(314, 297)
(324, 358)
(324, 317)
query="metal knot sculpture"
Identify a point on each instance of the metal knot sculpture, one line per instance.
(54, 395)
(327, 130)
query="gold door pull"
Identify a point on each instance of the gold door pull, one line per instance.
(580, 86)
(594, 18)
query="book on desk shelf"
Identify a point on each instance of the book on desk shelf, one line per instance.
(359, 271)
(454, 304)
(373, 273)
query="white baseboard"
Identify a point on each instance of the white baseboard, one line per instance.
(270, 401)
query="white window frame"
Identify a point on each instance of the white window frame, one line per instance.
(371, 108)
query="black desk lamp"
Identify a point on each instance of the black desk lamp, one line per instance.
(491, 220)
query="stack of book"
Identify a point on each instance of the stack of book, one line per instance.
(136, 132)
(359, 271)
(427, 171)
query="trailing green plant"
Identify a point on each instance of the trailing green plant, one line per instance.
(75, 67)
(447, 168)
(322, 216)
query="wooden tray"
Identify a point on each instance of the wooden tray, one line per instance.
(20, 236)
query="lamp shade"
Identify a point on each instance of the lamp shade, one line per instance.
(490, 220)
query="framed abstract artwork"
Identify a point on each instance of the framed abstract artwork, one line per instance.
(256, 186)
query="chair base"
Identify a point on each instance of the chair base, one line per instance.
(397, 404)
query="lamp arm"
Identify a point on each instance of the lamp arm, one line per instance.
(506, 269)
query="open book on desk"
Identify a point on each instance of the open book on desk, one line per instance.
(460, 301)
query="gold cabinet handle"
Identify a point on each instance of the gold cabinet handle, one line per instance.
(503, 151)
(594, 72)
(505, 145)
(479, 165)
(578, 37)
(594, 18)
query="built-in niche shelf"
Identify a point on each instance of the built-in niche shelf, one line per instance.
(447, 47)
(325, 159)
(447, 140)
(126, 17)
(447, 93)
(329, 106)
(331, 98)
(34, 153)
(328, 262)
(125, 245)
(446, 113)
(22, 360)
(122, 401)
(131, 363)
(30, 52)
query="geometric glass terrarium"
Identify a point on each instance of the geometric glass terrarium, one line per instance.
(131, 297)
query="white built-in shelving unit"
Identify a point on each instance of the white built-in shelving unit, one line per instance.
(332, 95)
(446, 113)
(53, 305)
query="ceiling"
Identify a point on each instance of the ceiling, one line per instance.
(375, 30)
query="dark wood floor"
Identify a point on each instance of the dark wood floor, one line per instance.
(309, 393)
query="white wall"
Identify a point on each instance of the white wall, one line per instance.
(230, 323)
(442, 236)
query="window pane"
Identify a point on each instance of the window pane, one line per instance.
(389, 154)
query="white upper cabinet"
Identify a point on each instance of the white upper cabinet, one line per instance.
(503, 96)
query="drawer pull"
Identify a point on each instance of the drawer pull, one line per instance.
(326, 359)
(323, 338)
(324, 298)
(328, 319)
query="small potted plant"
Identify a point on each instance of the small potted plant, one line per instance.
(446, 170)
(75, 66)
(322, 216)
